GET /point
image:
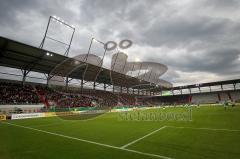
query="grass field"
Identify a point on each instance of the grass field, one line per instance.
(212, 133)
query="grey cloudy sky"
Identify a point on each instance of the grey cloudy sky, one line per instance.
(197, 39)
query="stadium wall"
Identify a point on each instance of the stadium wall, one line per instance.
(29, 107)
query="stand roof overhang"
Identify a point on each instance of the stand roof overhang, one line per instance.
(209, 84)
(22, 56)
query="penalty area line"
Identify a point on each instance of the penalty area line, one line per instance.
(151, 133)
(88, 141)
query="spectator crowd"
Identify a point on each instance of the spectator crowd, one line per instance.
(16, 93)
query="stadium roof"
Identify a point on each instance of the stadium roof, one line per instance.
(22, 56)
(209, 84)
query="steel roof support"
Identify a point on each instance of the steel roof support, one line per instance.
(24, 75)
(81, 86)
(234, 86)
(67, 81)
(94, 85)
(66, 84)
(199, 88)
(190, 90)
(47, 78)
(104, 86)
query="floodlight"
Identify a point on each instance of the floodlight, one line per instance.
(60, 21)
(137, 59)
(76, 62)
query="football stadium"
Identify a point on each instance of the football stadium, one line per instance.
(57, 102)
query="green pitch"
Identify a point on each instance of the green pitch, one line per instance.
(213, 133)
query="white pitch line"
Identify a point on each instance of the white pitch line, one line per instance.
(124, 146)
(179, 127)
(88, 141)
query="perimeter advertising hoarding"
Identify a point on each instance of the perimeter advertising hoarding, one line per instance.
(27, 115)
(166, 93)
(2, 117)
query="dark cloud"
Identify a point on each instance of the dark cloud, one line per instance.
(182, 31)
(222, 4)
(220, 61)
(10, 8)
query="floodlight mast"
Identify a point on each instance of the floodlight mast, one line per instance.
(57, 19)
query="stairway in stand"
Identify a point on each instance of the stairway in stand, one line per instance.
(42, 97)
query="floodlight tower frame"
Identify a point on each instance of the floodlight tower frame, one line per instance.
(86, 59)
(54, 18)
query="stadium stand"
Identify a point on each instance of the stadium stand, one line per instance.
(33, 97)
(197, 98)
(235, 95)
(224, 96)
(168, 100)
(13, 93)
(205, 98)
